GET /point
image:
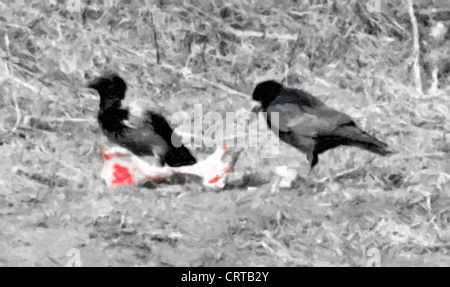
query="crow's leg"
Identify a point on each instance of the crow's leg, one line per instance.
(313, 159)
(161, 161)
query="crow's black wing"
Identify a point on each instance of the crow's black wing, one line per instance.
(141, 138)
(306, 117)
(177, 154)
(153, 129)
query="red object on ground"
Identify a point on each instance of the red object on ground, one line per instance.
(121, 168)
(122, 176)
(218, 177)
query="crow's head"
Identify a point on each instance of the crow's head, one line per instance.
(266, 92)
(110, 87)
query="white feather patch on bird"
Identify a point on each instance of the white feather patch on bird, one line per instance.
(137, 110)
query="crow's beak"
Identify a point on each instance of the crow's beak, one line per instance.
(91, 85)
(89, 93)
(91, 90)
(256, 108)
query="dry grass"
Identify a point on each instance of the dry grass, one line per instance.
(213, 53)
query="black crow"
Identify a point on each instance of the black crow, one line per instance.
(147, 134)
(308, 124)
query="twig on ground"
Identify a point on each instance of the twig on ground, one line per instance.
(416, 53)
(341, 175)
(258, 34)
(67, 120)
(291, 57)
(78, 170)
(435, 85)
(18, 113)
(205, 69)
(219, 86)
(155, 38)
(225, 88)
(248, 33)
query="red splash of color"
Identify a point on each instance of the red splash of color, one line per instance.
(228, 171)
(122, 176)
(218, 177)
(105, 154)
(215, 179)
(225, 149)
(160, 178)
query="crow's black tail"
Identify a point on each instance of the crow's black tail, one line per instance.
(177, 157)
(353, 136)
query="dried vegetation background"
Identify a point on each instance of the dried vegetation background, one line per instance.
(175, 54)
